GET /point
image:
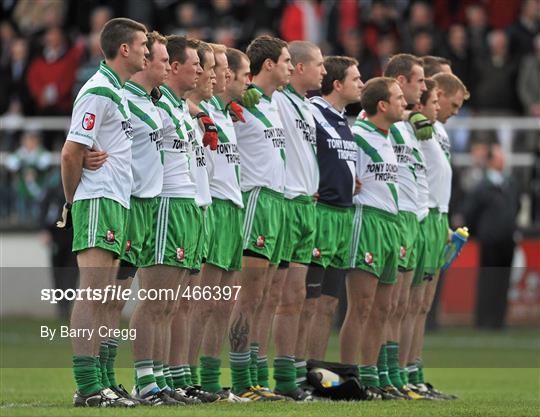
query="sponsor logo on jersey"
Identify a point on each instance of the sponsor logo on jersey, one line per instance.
(260, 241)
(316, 253)
(368, 258)
(402, 252)
(109, 237)
(128, 246)
(180, 254)
(89, 120)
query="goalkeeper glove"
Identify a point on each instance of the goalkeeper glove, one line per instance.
(65, 221)
(251, 97)
(423, 128)
(236, 112)
(210, 137)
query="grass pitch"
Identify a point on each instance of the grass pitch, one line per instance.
(494, 374)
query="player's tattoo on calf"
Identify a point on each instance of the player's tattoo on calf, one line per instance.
(238, 334)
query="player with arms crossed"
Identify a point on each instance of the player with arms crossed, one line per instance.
(100, 199)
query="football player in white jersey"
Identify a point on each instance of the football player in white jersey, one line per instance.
(100, 199)
(262, 152)
(287, 291)
(224, 222)
(451, 95)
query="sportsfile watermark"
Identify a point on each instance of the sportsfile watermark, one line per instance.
(119, 293)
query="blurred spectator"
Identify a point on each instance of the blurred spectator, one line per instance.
(522, 32)
(422, 43)
(386, 47)
(89, 65)
(529, 81)
(16, 98)
(477, 30)
(353, 46)
(458, 52)
(7, 37)
(497, 76)
(340, 17)
(33, 17)
(98, 18)
(490, 211)
(381, 22)
(29, 165)
(302, 21)
(227, 22)
(420, 20)
(58, 241)
(190, 21)
(52, 74)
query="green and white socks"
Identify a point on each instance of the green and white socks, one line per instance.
(240, 371)
(368, 375)
(210, 373)
(146, 380)
(392, 356)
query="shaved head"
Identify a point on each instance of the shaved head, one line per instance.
(302, 51)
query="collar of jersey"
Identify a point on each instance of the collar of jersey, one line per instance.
(218, 104)
(291, 89)
(260, 90)
(110, 74)
(373, 128)
(325, 104)
(137, 89)
(171, 95)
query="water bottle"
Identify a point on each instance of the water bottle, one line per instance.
(452, 249)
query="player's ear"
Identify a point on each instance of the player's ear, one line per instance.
(382, 106)
(124, 50)
(175, 67)
(268, 64)
(336, 84)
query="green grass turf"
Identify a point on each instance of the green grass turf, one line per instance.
(505, 379)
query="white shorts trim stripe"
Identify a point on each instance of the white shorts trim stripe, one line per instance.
(357, 229)
(250, 213)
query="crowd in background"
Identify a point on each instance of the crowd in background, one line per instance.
(50, 48)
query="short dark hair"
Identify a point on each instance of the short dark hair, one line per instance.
(234, 58)
(202, 50)
(262, 48)
(177, 45)
(375, 90)
(431, 85)
(401, 64)
(433, 64)
(152, 38)
(117, 32)
(336, 69)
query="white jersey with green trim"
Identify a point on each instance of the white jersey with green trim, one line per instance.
(302, 170)
(376, 168)
(422, 203)
(197, 163)
(402, 136)
(439, 171)
(261, 144)
(101, 120)
(224, 163)
(177, 179)
(147, 145)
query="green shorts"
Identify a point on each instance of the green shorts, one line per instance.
(299, 231)
(408, 233)
(178, 234)
(225, 221)
(375, 244)
(333, 237)
(420, 249)
(263, 223)
(141, 226)
(436, 238)
(99, 223)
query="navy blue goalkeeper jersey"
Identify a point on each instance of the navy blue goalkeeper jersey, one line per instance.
(336, 154)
